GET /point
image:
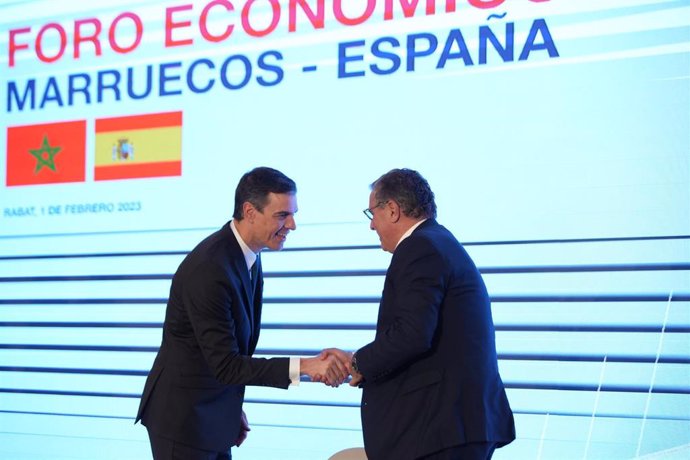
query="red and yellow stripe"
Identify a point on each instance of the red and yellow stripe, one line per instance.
(157, 142)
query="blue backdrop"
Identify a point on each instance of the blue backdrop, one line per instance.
(555, 134)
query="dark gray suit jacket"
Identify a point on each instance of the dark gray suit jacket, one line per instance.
(195, 390)
(431, 373)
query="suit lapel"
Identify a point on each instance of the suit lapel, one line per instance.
(239, 267)
(256, 268)
(255, 305)
(238, 263)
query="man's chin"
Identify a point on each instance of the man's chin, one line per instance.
(384, 248)
(276, 245)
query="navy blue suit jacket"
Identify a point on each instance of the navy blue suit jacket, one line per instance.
(195, 390)
(431, 373)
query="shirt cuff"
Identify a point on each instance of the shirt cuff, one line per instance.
(294, 371)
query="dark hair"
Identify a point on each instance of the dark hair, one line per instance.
(407, 188)
(255, 185)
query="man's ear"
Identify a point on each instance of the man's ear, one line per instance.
(248, 212)
(393, 211)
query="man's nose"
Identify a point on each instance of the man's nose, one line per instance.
(290, 223)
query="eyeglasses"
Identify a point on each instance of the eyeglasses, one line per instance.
(369, 212)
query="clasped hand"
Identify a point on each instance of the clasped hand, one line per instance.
(332, 366)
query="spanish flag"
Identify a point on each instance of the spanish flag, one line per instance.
(139, 146)
(46, 154)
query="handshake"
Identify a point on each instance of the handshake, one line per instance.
(332, 366)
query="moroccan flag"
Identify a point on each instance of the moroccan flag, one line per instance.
(139, 146)
(46, 154)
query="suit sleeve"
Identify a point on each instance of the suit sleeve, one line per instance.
(410, 306)
(208, 300)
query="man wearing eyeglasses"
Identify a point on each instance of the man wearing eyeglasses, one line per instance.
(430, 380)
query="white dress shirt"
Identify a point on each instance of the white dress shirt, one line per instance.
(250, 257)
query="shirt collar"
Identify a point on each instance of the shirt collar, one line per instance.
(409, 232)
(249, 255)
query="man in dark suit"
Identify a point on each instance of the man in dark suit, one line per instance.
(430, 380)
(192, 400)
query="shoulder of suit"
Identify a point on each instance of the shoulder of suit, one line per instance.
(430, 235)
(213, 251)
(426, 228)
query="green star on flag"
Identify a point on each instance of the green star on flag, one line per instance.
(31, 151)
(45, 156)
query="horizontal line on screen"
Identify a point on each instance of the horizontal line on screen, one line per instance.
(71, 370)
(41, 279)
(600, 415)
(62, 414)
(107, 232)
(498, 298)
(96, 255)
(315, 248)
(97, 394)
(678, 297)
(498, 327)
(579, 240)
(303, 352)
(516, 412)
(82, 301)
(347, 273)
(361, 327)
(68, 370)
(121, 417)
(301, 403)
(594, 387)
(595, 358)
(509, 385)
(118, 348)
(524, 357)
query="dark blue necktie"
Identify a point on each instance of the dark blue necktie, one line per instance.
(254, 271)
